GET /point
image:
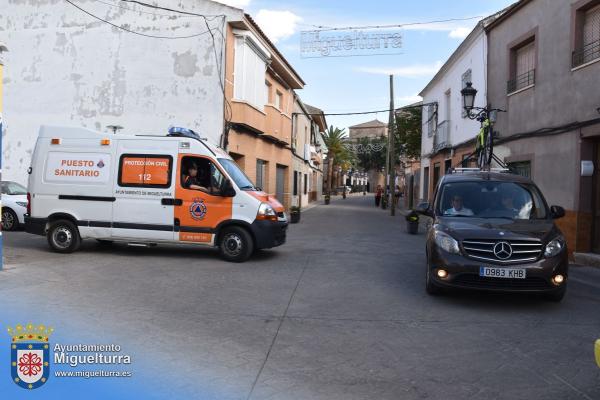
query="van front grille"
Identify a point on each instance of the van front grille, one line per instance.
(503, 251)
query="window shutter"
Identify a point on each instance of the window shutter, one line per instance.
(430, 111)
(525, 59)
(591, 27)
(250, 69)
(238, 79)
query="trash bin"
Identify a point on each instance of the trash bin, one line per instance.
(412, 223)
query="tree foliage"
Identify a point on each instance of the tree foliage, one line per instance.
(337, 153)
(408, 130)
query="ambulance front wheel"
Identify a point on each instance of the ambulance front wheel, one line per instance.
(63, 236)
(236, 244)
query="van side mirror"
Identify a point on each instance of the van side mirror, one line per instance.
(424, 209)
(557, 212)
(227, 189)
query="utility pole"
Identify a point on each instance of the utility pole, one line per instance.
(392, 153)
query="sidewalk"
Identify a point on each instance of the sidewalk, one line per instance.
(333, 199)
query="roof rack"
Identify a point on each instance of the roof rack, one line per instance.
(464, 170)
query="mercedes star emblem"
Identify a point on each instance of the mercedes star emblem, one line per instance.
(503, 250)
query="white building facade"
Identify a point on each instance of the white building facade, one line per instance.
(147, 71)
(448, 135)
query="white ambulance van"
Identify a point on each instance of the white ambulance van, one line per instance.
(146, 190)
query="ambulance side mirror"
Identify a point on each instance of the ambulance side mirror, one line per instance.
(227, 189)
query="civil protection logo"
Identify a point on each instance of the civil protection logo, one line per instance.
(198, 209)
(30, 355)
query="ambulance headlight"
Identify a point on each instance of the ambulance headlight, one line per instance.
(266, 212)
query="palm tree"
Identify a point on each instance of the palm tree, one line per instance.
(336, 151)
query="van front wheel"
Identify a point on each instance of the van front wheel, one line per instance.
(235, 244)
(63, 236)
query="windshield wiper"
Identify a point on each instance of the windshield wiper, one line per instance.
(248, 187)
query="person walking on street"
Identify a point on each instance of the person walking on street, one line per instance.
(378, 194)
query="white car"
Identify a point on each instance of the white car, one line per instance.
(14, 205)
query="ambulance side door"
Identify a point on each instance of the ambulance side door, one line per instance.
(144, 190)
(198, 213)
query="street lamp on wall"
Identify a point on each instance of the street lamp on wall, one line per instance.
(487, 116)
(468, 94)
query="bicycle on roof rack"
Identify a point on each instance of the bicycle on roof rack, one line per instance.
(487, 116)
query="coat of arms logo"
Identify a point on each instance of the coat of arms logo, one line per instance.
(30, 355)
(198, 209)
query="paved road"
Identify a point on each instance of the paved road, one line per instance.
(339, 312)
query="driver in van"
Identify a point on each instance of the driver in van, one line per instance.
(191, 180)
(458, 208)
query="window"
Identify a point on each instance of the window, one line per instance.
(249, 73)
(278, 100)
(466, 160)
(436, 174)
(425, 183)
(261, 169)
(466, 77)
(430, 119)
(448, 96)
(523, 64)
(522, 168)
(587, 29)
(447, 166)
(295, 183)
(145, 170)
(305, 183)
(198, 173)
(13, 188)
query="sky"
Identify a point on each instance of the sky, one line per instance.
(354, 84)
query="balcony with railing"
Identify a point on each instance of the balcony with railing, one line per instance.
(521, 82)
(441, 140)
(586, 54)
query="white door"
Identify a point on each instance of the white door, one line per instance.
(144, 190)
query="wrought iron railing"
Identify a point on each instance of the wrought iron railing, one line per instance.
(521, 81)
(586, 54)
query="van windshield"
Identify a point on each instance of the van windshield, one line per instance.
(236, 174)
(491, 200)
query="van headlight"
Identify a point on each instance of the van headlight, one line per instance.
(266, 212)
(22, 203)
(446, 242)
(554, 247)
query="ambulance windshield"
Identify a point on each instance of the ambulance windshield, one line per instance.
(236, 174)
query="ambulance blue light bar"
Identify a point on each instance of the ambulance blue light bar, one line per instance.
(183, 132)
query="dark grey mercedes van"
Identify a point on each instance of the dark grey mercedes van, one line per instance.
(494, 231)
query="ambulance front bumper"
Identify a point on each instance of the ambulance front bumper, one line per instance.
(269, 234)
